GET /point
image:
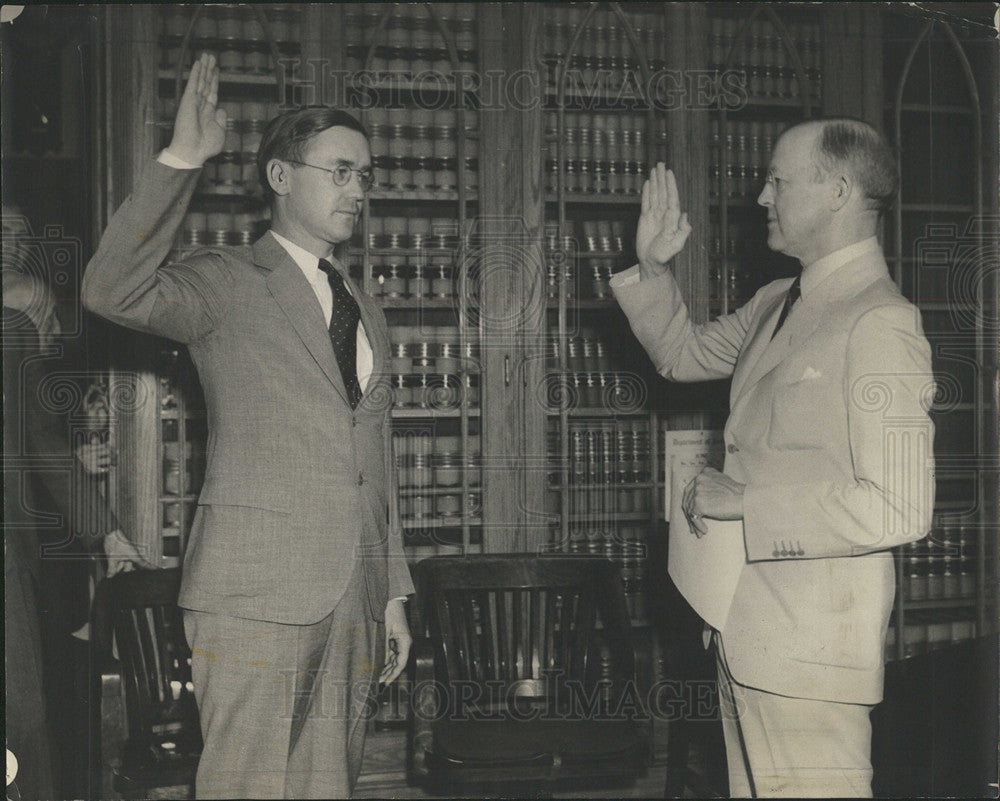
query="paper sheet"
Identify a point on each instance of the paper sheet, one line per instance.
(705, 569)
(693, 449)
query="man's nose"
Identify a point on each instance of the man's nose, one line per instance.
(355, 189)
(764, 198)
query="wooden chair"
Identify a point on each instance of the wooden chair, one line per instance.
(524, 678)
(150, 737)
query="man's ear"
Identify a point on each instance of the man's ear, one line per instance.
(278, 176)
(843, 188)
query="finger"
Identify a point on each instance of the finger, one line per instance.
(202, 64)
(688, 502)
(192, 85)
(390, 671)
(645, 196)
(673, 199)
(662, 170)
(213, 82)
(659, 198)
(394, 673)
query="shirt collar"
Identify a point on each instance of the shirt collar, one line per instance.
(308, 263)
(818, 271)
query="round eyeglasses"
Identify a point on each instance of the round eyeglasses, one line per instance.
(342, 173)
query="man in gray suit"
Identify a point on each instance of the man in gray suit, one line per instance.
(290, 569)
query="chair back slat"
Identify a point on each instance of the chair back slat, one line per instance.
(505, 635)
(491, 662)
(139, 609)
(584, 625)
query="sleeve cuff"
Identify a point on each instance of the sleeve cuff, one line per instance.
(170, 160)
(626, 277)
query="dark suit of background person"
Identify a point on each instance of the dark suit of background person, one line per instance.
(289, 568)
(828, 458)
(55, 521)
(27, 736)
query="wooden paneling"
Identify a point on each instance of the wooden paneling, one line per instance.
(133, 137)
(502, 248)
(687, 131)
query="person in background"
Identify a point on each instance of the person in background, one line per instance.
(828, 454)
(54, 518)
(293, 585)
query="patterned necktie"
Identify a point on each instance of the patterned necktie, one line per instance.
(794, 293)
(344, 331)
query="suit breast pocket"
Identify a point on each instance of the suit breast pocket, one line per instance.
(803, 414)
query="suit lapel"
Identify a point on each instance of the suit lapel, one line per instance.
(764, 354)
(290, 289)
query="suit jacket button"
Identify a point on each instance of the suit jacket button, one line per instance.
(354, 422)
(731, 448)
(361, 479)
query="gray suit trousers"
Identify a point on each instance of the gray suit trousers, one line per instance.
(283, 707)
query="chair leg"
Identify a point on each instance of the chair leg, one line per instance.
(678, 747)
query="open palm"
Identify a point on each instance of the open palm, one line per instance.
(200, 127)
(663, 229)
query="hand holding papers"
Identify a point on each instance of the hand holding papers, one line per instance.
(706, 569)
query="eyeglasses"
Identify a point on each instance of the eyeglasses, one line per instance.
(342, 174)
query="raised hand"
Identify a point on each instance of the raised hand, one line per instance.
(200, 127)
(662, 230)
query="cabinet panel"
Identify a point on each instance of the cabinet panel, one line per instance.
(935, 241)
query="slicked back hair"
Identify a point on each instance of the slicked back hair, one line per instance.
(857, 148)
(288, 135)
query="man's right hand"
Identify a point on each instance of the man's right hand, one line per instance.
(662, 230)
(200, 127)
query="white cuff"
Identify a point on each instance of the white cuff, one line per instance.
(626, 277)
(168, 159)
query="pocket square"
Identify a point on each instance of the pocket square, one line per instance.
(810, 373)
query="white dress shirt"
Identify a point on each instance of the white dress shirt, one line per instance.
(309, 264)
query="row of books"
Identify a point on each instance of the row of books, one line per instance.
(942, 566)
(603, 455)
(764, 55)
(924, 633)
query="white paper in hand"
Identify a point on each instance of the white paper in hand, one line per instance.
(705, 569)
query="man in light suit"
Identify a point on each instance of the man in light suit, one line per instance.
(828, 454)
(290, 569)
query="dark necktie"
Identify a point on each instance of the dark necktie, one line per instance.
(794, 293)
(344, 331)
